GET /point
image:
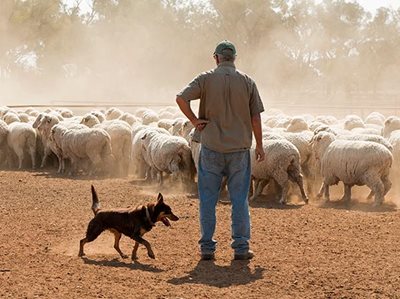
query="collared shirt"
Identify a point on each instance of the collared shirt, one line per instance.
(228, 100)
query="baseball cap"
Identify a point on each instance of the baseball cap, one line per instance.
(224, 45)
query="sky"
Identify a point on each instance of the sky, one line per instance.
(370, 5)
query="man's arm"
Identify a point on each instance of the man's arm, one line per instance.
(257, 130)
(187, 110)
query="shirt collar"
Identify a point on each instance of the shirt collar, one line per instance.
(226, 64)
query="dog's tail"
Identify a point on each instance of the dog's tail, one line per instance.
(95, 202)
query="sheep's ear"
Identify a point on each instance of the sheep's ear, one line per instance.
(144, 136)
(160, 198)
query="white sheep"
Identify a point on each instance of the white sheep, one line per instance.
(169, 154)
(44, 126)
(282, 163)
(84, 144)
(353, 121)
(375, 118)
(11, 117)
(100, 115)
(165, 123)
(149, 116)
(326, 119)
(297, 124)
(129, 118)
(113, 113)
(354, 163)
(138, 164)
(392, 123)
(22, 137)
(3, 142)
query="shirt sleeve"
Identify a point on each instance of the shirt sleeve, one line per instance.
(192, 91)
(256, 105)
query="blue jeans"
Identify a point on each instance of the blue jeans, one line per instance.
(213, 166)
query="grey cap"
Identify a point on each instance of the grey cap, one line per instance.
(225, 45)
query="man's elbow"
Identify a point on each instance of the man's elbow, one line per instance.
(180, 100)
(256, 117)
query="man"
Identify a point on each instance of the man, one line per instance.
(229, 112)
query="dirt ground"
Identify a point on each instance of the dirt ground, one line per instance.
(311, 251)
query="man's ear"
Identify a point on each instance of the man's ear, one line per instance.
(160, 198)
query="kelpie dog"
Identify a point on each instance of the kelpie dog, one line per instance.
(132, 222)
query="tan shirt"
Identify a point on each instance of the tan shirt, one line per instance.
(228, 100)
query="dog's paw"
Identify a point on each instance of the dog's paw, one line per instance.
(134, 257)
(124, 256)
(151, 255)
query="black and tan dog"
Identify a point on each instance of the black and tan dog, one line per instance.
(133, 223)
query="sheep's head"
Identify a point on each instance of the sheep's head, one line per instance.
(320, 142)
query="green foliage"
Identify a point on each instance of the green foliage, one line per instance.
(335, 45)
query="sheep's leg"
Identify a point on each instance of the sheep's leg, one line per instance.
(259, 187)
(299, 182)
(347, 193)
(377, 186)
(370, 195)
(32, 152)
(20, 154)
(47, 152)
(327, 196)
(387, 184)
(282, 179)
(321, 191)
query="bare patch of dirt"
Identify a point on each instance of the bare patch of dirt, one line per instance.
(313, 251)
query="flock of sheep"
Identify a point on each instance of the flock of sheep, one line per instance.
(319, 151)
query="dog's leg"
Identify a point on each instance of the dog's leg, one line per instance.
(117, 236)
(139, 239)
(94, 230)
(134, 251)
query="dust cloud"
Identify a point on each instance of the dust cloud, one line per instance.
(143, 52)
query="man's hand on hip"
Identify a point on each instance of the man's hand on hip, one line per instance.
(260, 155)
(200, 124)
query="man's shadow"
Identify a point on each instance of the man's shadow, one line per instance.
(208, 273)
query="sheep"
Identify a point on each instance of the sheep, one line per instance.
(100, 115)
(11, 117)
(90, 120)
(375, 118)
(64, 112)
(149, 116)
(170, 154)
(165, 123)
(177, 126)
(21, 137)
(23, 117)
(392, 123)
(353, 121)
(129, 118)
(395, 142)
(282, 163)
(89, 143)
(354, 163)
(113, 113)
(185, 129)
(47, 121)
(165, 115)
(138, 164)
(3, 142)
(297, 124)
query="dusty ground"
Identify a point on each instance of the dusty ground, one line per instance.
(301, 251)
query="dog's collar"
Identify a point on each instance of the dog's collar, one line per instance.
(148, 216)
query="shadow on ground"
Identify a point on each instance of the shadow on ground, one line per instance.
(118, 264)
(208, 273)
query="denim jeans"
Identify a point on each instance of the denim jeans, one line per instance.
(213, 166)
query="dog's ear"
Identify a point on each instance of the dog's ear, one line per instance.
(160, 198)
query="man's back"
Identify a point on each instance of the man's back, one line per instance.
(228, 99)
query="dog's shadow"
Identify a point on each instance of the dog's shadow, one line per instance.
(208, 273)
(136, 265)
